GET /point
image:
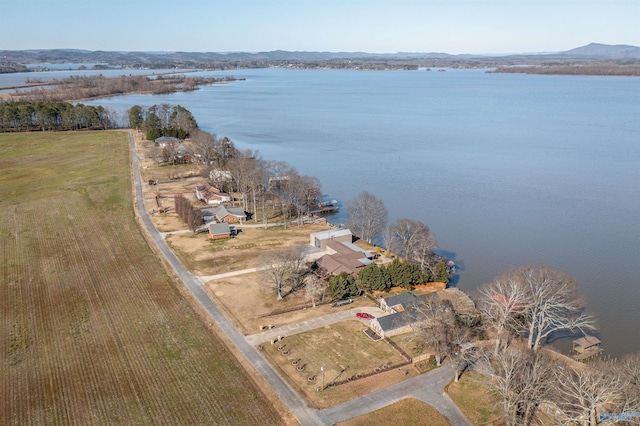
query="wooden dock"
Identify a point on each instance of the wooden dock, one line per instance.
(586, 348)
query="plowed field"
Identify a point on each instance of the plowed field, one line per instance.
(92, 329)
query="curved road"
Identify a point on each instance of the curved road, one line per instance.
(428, 388)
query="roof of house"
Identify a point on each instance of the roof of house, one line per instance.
(344, 259)
(340, 248)
(356, 248)
(406, 316)
(331, 233)
(337, 263)
(166, 139)
(401, 299)
(587, 341)
(211, 192)
(407, 299)
(219, 229)
(397, 320)
(224, 211)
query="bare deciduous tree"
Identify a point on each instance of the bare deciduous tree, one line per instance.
(464, 352)
(281, 183)
(502, 304)
(582, 391)
(431, 324)
(307, 192)
(204, 146)
(628, 371)
(521, 379)
(284, 268)
(553, 303)
(367, 216)
(414, 241)
(315, 288)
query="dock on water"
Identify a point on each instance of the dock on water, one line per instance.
(586, 348)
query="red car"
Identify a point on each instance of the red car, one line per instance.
(364, 315)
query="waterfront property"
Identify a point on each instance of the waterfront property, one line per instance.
(320, 239)
(586, 348)
(343, 257)
(404, 312)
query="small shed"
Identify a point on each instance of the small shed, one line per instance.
(586, 347)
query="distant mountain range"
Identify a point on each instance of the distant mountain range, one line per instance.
(79, 56)
(597, 50)
(14, 60)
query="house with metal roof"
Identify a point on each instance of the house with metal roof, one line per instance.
(320, 239)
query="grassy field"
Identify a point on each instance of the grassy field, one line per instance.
(406, 412)
(471, 396)
(345, 352)
(93, 330)
(208, 257)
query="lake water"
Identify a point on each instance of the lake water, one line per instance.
(506, 169)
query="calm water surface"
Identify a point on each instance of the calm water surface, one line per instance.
(506, 169)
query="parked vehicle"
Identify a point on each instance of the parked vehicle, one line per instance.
(364, 315)
(342, 302)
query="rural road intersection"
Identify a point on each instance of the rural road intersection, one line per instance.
(427, 387)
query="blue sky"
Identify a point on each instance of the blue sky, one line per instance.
(452, 26)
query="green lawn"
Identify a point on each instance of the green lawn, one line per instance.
(473, 398)
(408, 412)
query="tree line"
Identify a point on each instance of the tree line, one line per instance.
(22, 116)
(162, 120)
(80, 87)
(189, 214)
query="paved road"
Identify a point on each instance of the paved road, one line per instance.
(305, 415)
(428, 388)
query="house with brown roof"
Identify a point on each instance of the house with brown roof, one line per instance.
(343, 257)
(211, 195)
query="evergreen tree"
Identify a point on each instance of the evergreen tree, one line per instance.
(135, 117)
(400, 273)
(441, 275)
(343, 285)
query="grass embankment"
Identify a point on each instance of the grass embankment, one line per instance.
(406, 412)
(470, 394)
(94, 331)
